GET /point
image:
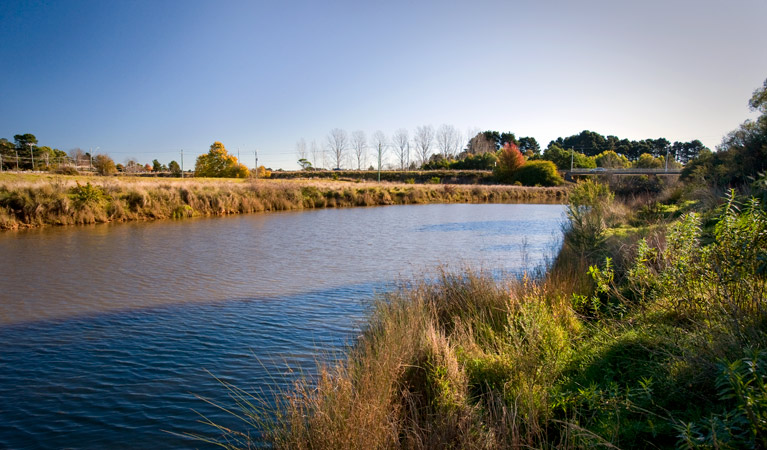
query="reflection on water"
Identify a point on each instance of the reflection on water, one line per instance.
(107, 331)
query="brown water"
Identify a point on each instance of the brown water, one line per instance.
(106, 332)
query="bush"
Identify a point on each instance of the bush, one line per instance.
(538, 173)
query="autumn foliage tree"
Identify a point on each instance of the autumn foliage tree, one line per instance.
(509, 160)
(219, 163)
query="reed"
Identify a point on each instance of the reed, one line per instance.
(33, 201)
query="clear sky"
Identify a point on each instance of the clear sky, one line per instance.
(145, 79)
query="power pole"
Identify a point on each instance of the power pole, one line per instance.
(572, 157)
(32, 153)
(379, 162)
(17, 159)
(667, 149)
(255, 152)
(182, 163)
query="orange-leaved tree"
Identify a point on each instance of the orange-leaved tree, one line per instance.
(219, 163)
(509, 160)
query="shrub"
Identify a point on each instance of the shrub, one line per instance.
(535, 173)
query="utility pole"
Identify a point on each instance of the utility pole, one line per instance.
(256, 168)
(379, 162)
(17, 158)
(572, 158)
(182, 163)
(667, 149)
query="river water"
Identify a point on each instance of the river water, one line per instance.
(109, 333)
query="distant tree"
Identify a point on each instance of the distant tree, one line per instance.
(174, 168)
(380, 143)
(305, 164)
(7, 153)
(156, 166)
(509, 160)
(317, 154)
(562, 158)
(448, 141)
(120, 167)
(480, 144)
(482, 161)
(301, 149)
(424, 139)
(360, 147)
(337, 142)
(26, 144)
(104, 165)
(79, 157)
(611, 160)
(401, 143)
(648, 161)
(219, 163)
(529, 147)
(538, 173)
(148, 167)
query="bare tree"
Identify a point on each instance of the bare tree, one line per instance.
(337, 144)
(448, 141)
(360, 147)
(318, 154)
(78, 157)
(400, 141)
(424, 139)
(301, 149)
(480, 144)
(379, 146)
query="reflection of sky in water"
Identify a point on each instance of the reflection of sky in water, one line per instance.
(485, 228)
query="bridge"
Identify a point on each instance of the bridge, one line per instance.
(605, 171)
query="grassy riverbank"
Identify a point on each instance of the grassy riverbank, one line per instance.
(648, 331)
(40, 200)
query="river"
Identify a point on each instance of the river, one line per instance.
(109, 333)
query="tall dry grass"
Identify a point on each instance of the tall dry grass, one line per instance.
(33, 202)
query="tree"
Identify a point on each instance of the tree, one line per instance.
(360, 146)
(7, 153)
(318, 155)
(379, 145)
(26, 144)
(401, 143)
(648, 161)
(529, 147)
(219, 163)
(611, 160)
(480, 144)
(174, 168)
(424, 138)
(337, 144)
(104, 165)
(563, 158)
(156, 166)
(305, 164)
(509, 160)
(301, 149)
(741, 156)
(78, 157)
(448, 141)
(538, 173)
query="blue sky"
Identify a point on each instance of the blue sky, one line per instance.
(145, 79)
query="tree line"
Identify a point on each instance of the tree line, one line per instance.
(445, 148)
